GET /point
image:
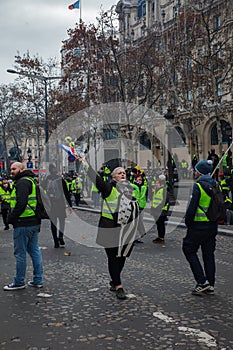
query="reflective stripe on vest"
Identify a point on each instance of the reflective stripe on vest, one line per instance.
(111, 207)
(224, 185)
(204, 203)
(31, 204)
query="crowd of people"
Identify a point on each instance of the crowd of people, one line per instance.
(123, 195)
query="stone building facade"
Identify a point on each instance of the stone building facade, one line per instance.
(200, 35)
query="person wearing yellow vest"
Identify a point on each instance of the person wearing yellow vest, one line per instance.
(184, 169)
(229, 211)
(26, 227)
(140, 187)
(116, 237)
(5, 194)
(201, 232)
(76, 189)
(224, 184)
(160, 207)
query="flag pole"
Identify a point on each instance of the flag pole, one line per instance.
(80, 11)
(221, 159)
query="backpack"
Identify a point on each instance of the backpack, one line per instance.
(43, 202)
(217, 207)
(53, 189)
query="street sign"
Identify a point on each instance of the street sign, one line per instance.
(29, 165)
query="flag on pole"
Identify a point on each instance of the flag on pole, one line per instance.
(75, 5)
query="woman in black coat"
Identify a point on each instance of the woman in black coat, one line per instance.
(118, 222)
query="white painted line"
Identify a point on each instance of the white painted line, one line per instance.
(44, 295)
(163, 317)
(93, 290)
(202, 337)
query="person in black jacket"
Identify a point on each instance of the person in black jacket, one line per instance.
(58, 193)
(201, 232)
(26, 227)
(116, 237)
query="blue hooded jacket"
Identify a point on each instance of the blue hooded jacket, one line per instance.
(194, 201)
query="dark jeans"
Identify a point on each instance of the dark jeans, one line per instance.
(205, 239)
(115, 265)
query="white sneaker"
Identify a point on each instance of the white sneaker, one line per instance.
(13, 286)
(210, 291)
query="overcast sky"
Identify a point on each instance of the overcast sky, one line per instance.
(39, 26)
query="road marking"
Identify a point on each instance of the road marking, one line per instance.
(44, 295)
(202, 337)
(163, 317)
(93, 290)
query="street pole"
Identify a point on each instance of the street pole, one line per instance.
(169, 116)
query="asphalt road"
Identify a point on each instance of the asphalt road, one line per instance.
(76, 310)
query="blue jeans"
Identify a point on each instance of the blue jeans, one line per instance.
(26, 241)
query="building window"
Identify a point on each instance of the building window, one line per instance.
(217, 22)
(226, 131)
(110, 134)
(144, 141)
(189, 64)
(141, 8)
(189, 96)
(219, 89)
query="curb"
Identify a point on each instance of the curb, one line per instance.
(221, 231)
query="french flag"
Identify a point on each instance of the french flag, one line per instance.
(68, 150)
(74, 6)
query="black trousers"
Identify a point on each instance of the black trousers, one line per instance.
(77, 197)
(161, 226)
(115, 265)
(206, 240)
(4, 216)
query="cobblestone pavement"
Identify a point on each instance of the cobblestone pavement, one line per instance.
(76, 310)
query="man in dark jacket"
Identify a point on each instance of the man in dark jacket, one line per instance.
(201, 231)
(59, 195)
(26, 227)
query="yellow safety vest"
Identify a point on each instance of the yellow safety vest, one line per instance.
(157, 199)
(110, 207)
(32, 201)
(5, 195)
(204, 203)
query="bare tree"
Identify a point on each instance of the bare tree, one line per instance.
(199, 51)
